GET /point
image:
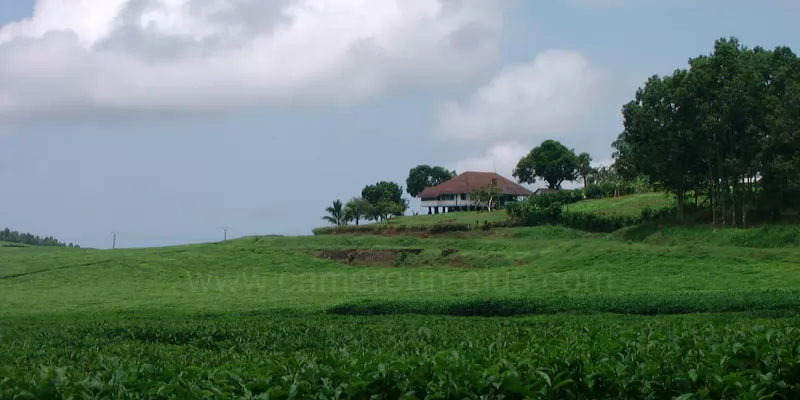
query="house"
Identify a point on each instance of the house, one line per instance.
(454, 195)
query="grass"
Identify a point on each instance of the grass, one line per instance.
(281, 272)
(626, 206)
(544, 312)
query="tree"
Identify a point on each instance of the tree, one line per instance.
(385, 199)
(487, 195)
(585, 170)
(382, 191)
(423, 176)
(659, 137)
(551, 161)
(356, 209)
(716, 128)
(336, 214)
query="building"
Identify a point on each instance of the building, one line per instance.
(454, 195)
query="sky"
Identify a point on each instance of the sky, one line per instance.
(167, 120)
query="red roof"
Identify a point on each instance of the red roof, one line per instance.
(468, 182)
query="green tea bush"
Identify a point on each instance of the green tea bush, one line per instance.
(562, 197)
(326, 357)
(634, 304)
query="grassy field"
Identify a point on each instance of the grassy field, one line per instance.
(543, 312)
(630, 206)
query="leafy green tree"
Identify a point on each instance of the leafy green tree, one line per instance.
(356, 209)
(716, 128)
(385, 199)
(382, 191)
(423, 176)
(487, 195)
(336, 214)
(551, 161)
(659, 136)
(585, 170)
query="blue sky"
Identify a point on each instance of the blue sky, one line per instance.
(165, 123)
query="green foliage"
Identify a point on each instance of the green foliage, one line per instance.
(595, 222)
(382, 191)
(528, 213)
(323, 357)
(423, 176)
(487, 195)
(633, 304)
(548, 209)
(385, 199)
(7, 235)
(356, 209)
(584, 168)
(727, 127)
(336, 214)
(551, 161)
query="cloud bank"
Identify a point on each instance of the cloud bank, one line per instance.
(78, 55)
(550, 97)
(543, 96)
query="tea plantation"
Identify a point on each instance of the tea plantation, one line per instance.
(543, 312)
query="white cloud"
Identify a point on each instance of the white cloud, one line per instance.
(502, 158)
(548, 96)
(84, 55)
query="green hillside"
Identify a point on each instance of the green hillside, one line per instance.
(286, 314)
(360, 315)
(257, 273)
(624, 205)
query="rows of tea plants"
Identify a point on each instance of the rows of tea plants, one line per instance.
(316, 356)
(765, 302)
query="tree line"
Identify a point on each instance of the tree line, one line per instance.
(551, 162)
(727, 129)
(378, 202)
(7, 235)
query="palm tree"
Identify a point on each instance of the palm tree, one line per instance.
(336, 214)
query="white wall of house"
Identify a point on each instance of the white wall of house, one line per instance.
(452, 200)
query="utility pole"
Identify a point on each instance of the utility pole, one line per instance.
(225, 232)
(114, 242)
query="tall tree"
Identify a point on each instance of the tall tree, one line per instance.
(423, 176)
(659, 138)
(551, 161)
(717, 127)
(356, 209)
(585, 170)
(336, 214)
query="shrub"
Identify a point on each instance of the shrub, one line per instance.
(632, 304)
(562, 197)
(443, 227)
